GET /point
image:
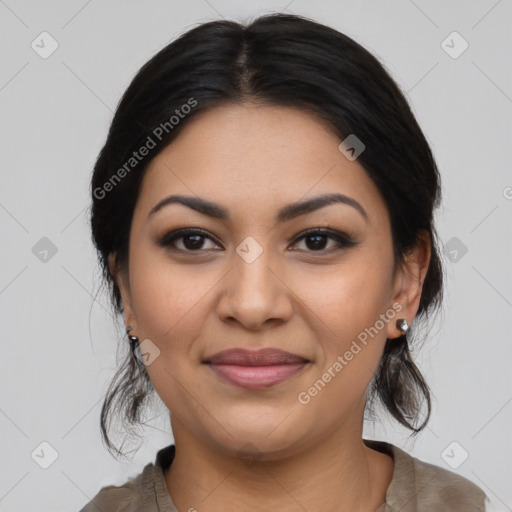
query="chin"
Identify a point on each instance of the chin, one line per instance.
(264, 441)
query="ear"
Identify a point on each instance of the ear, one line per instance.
(408, 282)
(121, 278)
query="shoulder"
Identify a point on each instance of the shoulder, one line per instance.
(421, 486)
(131, 496)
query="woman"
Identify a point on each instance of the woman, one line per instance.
(262, 210)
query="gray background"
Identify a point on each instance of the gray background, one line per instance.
(59, 341)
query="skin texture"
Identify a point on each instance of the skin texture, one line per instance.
(311, 300)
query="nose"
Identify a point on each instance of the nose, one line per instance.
(254, 294)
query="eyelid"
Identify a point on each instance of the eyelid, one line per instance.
(343, 240)
(167, 239)
(333, 233)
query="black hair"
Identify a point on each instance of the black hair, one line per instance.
(286, 60)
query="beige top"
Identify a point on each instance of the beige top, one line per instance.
(416, 486)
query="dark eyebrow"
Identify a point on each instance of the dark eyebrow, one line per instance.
(286, 213)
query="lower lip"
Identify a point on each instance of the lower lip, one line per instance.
(256, 377)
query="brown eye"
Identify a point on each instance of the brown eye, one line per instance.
(192, 240)
(316, 240)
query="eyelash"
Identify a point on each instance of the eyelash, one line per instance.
(343, 240)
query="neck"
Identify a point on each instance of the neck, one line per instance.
(338, 472)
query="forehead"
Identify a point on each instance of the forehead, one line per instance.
(258, 155)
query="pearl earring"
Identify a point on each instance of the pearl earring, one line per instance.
(133, 339)
(402, 325)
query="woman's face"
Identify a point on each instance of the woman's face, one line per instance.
(251, 279)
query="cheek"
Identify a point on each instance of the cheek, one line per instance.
(169, 299)
(350, 350)
(347, 303)
(171, 303)
(348, 298)
(166, 297)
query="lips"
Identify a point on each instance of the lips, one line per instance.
(255, 369)
(262, 357)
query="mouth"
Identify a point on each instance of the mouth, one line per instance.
(255, 369)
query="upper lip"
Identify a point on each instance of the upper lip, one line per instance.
(262, 357)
